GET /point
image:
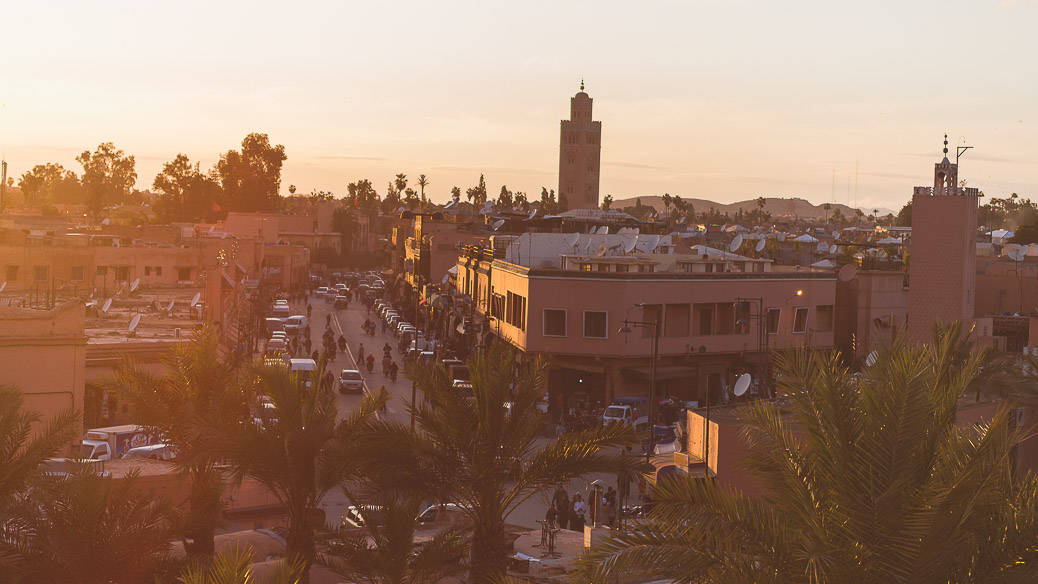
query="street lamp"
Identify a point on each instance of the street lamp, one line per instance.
(628, 328)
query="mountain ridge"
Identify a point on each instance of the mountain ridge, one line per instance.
(777, 206)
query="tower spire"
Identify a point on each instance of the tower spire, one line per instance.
(946, 144)
(582, 87)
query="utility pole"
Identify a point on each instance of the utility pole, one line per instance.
(3, 184)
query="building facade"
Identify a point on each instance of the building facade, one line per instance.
(580, 152)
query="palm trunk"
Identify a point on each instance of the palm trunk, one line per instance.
(488, 559)
(299, 541)
(204, 513)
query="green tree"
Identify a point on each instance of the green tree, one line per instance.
(25, 442)
(423, 181)
(904, 216)
(50, 183)
(108, 176)
(235, 567)
(251, 177)
(187, 193)
(361, 195)
(607, 202)
(94, 529)
(488, 457)
(198, 394)
(548, 203)
(477, 195)
(521, 202)
(456, 194)
(504, 199)
(865, 480)
(289, 454)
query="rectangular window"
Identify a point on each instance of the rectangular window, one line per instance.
(603, 267)
(76, 273)
(101, 270)
(773, 320)
(40, 273)
(183, 274)
(11, 273)
(725, 318)
(651, 312)
(122, 273)
(595, 324)
(585, 267)
(824, 318)
(497, 306)
(676, 320)
(516, 311)
(147, 270)
(800, 320)
(554, 322)
(621, 267)
(704, 319)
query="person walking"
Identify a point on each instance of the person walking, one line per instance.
(309, 311)
(392, 370)
(371, 363)
(610, 507)
(576, 520)
(360, 355)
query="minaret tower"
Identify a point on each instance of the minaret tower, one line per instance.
(580, 150)
(943, 253)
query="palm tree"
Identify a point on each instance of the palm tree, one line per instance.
(21, 452)
(88, 528)
(385, 551)
(483, 452)
(423, 182)
(400, 182)
(236, 568)
(290, 455)
(456, 193)
(198, 395)
(865, 480)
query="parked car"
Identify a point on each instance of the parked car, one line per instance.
(350, 380)
(280, 310)
(322, 291)
(295, 323)
(666, 441)
(152, 451)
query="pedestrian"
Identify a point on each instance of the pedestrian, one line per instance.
(342, 343)
(576, 520)
(360, 354)
(623, 481)
(314, 356)
(382, 408)
(610, 507)
(331, 352)
(561, 502)
(371, 363)
(392, 371)
(384, 327)
(327, 320)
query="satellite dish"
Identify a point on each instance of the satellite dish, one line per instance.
(870, 360)
(93, 293)
(682, 220)
(488, 208)
(212, 228)
(134, 285)
(761, 244)
(533, 213)
(572, 239)
(195, 299)
(136, 320)
(742, 384)
(653, 242)
(3, 286)
(833, 249)
(630, 240)
(106, 221)
(602, 249)
(836, 235)
(822, 247)
(497, 224)
(781, 237)
(170, 307)
(106, 305)
(736, 244)
(603, 230)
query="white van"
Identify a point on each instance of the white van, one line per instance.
(302, 365)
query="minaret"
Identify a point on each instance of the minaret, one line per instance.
(580, 152)
(943, 254)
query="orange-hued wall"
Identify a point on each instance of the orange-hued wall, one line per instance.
(42, 353)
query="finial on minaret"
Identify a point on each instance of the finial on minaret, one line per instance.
(582, 84)
(946, 144)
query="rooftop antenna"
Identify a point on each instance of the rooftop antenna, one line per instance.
(959, 150)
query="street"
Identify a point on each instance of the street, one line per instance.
(348, 323)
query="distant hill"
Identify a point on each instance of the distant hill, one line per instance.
(777, 206)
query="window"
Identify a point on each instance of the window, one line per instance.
(773, 320)
(76, 273)
(800, 320)
(742, 318)
(183, 274)
(622, 267)
(595, 324)
(554, 322)
(101, 270)
(647, 268)
(603, 267)
(516, 311)
(11, 274)
(40, 273)
(824, 318)
(156, 270)
(585, 267)
(122, 273)
(704, 319)
(725, 318)
(497, 305)
(676, 320)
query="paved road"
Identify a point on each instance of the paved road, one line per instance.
(348, 323)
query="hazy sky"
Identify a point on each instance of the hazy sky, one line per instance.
(715, 99)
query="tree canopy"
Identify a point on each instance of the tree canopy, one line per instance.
(251, 177)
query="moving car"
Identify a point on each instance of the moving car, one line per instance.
(322, 291)
(341, 301)
(295, 323)
(350, 380)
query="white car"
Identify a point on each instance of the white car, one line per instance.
(295, 323)
(350, 380)
(353, 518)
(152, 451)
(323, 290)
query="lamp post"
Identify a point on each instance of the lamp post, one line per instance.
(655, 324)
